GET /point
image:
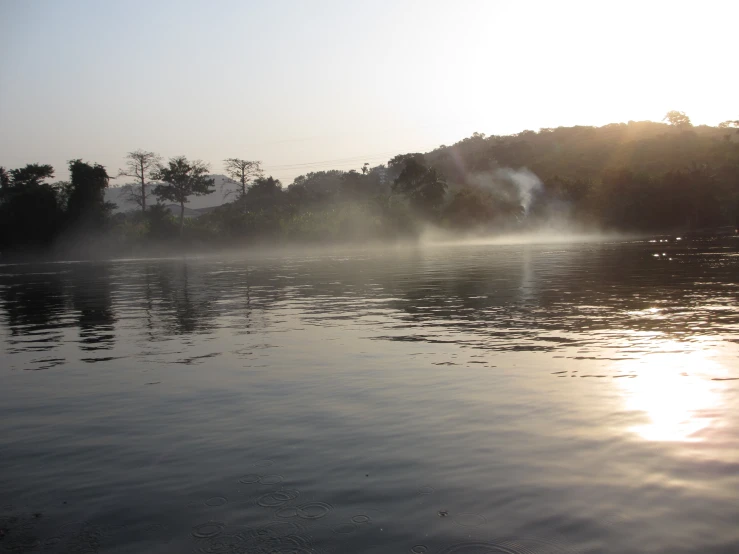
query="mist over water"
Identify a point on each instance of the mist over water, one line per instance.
(461, 398)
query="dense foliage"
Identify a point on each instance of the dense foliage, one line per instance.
(636, 176)
(35, 214)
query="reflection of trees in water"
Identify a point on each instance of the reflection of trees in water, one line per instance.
(38, 302)
(185, 301)
(197, 297)
(529, 298)
(148, 302)
(245, 295)
(501, 299)
(33, 305)
(32, 302)
(526, 298)
(91, 295)
(596, 296)
(164, 298)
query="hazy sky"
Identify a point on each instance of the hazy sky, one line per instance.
(308, 85)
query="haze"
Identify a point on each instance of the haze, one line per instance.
(307, 86)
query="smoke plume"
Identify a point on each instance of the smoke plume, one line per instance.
(526, 182)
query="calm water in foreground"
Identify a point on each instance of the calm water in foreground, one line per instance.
(445, 400)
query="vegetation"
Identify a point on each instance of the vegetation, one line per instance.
(635, 176)
(242, 172)
(180, 180)
(139, 166)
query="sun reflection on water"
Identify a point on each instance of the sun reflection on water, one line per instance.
(673, 388)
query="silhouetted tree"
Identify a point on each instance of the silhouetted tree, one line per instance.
(63, 189)
(30, 214)
(265, 193)
(86, 206)
(4, 180)
(182, 178)
(140, 164)
(30, 175)
(242, 172)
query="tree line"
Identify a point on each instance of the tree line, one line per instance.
(635, 176)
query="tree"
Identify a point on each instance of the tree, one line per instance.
(423, 186)
(139, 165)
(677, 119)
(86, 205)
(63, 189)
(242, 172)
(399, 161)
(29, 212)
(4, 180)
(353, 183)
(182, 178)
(264, 194)
(316, 187)
(31, 175)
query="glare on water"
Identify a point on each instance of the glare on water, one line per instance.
(674, 390)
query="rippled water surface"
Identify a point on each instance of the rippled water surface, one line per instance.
(527, 399)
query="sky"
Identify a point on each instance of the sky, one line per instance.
(331, 84)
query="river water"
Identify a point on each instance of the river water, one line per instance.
(450, 399)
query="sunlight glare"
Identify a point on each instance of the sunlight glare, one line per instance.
(675, 391)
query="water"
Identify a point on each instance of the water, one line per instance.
(451, 399)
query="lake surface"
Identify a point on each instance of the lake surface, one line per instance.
(458, 399)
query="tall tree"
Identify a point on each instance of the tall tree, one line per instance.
(182, 178)
(677, 119)
(139, 165)
(242, 172)
(86, 206)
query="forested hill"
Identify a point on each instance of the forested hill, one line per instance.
(589, 152)
(630, 176)
(638, 176)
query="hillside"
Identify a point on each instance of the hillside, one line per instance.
(589, 152)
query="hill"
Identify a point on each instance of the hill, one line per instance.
(585, 152)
